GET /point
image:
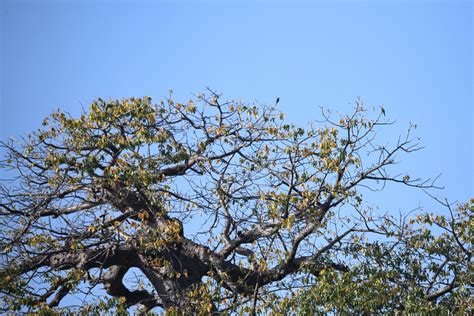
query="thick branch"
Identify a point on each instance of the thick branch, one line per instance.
(114, 286)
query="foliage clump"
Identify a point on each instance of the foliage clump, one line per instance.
(221, 206)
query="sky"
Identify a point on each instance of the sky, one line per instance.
(412, 57)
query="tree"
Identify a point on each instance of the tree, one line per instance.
(218, 206)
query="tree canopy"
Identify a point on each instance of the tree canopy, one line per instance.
(220, 206)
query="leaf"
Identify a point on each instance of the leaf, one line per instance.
(191, 108)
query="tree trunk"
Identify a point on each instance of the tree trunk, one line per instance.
(178, 280)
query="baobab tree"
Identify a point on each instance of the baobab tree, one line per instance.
(219, 206)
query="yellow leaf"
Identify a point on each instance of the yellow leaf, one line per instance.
(143, 215)
(191, 108)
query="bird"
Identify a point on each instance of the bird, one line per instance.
(277, 100)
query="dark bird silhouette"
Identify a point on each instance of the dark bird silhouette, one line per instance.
(277, 100)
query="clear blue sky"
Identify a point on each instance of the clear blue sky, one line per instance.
(414, 57)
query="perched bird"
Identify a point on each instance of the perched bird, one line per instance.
(277, 100)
